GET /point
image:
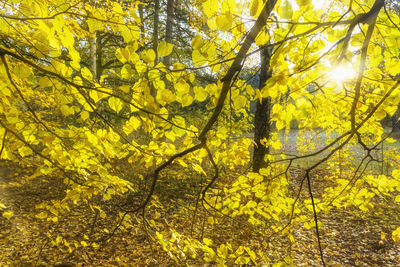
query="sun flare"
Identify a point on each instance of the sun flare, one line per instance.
(342, 73)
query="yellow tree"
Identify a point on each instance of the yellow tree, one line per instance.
(51, 120)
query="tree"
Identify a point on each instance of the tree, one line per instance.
(126, 154)
(262, 125)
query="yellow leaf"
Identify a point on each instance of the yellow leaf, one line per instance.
(96, 96)
(126, 71)
(120, 55)
(390, 110)
(8, 214)
(22, 71)
(115, 104)
(200, 93)
(148, 55)
(239, 102)
(262, 38)
(86, 73)
(380, 114)
(182, 88)
(94, 25)
(157, 215)
(130, 34)
(159, 84)
(383, 235)
(396, 235)
(164, 49)
(212, 24)
(198, 169)
(170, 136)
(187, 100)
(102, 214)
(124, 88)
(131, 125)
(242, 260)
(84, 115)
(140, 67)
(301, 3)
(197, 42)
(66, 110)
(224, 21)
(286, 10)
(255, 7)
(167, 96)
(4, 89)
(44, 82)
(207, 241)
(58, 239)
(198, 58)
(41, 215)
(279, 125)
(210, 7)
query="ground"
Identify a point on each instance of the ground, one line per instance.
(349, 236)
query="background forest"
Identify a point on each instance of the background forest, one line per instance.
(199, 133)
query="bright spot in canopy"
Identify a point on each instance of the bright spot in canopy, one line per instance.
(342, 73)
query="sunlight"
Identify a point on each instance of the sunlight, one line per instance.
(342, 73)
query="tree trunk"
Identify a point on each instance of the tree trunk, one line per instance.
(96, 54)
(99, 56)
(396, 123)
(262, 122)
(142, 23)
(155, 39)
(155, 25)
(168, 28)
(93, 55)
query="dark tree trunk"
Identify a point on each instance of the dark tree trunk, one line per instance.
(99, 56)
(396, 123)
(93, 55)
(169, 27)
(262, 123)
(155, 25)
(141, 24)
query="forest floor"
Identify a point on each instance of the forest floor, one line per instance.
(349, 237)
